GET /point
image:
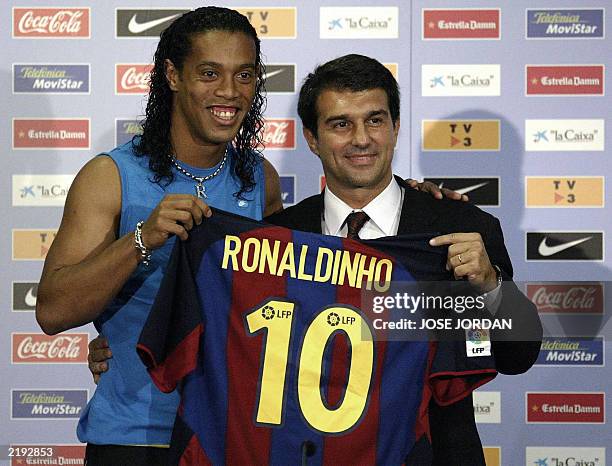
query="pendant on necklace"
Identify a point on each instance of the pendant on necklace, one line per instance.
(200, 189)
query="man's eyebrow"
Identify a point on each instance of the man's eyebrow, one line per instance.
(378, 112)
(345, 116)
(215, 64)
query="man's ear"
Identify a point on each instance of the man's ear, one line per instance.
(396, 128)
(172, 75)
(311, 139)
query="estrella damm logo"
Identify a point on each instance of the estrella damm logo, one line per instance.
(49, 454)
(577, 191)
(460, 135)
(461, 23)
(565, 407)
(272, 22)
(564, 79)
(51, 133)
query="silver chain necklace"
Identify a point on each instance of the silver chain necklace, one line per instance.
(200, 189)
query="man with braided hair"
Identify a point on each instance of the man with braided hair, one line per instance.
(202, 123)
(125, 207)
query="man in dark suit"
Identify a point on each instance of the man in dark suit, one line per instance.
(350, 113)
(349, 108)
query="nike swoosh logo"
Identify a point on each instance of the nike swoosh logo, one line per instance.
(471, 188)
(136, 28)
(467, 189)
(274, 73)
(546, 250)
(30, 299)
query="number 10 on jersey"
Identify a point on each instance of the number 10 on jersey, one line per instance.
(276, 318)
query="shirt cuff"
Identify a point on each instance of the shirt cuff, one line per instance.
(492, 299)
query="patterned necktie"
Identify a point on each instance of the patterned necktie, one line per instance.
(354, 221)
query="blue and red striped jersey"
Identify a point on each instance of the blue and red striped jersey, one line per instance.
(277, 360)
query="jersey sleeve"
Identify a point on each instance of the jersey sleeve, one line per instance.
(453, 375)
(170, 339)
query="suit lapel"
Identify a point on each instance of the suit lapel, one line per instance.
(311, 214)
(416, 214)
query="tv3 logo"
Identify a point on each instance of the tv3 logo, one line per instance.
(571, 198)
(467, 140)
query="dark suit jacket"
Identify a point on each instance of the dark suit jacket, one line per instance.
(455, 439)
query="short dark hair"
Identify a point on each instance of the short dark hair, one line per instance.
(175, 45)
(353, 73)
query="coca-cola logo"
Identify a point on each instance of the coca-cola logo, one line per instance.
(567, 297)
(51, 22)
(39, 348)
(133, 79)
(279, 133)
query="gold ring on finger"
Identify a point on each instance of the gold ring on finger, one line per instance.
(459, 257)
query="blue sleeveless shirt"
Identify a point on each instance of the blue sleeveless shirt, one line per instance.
(127, 408)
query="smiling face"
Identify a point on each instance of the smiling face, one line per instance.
(214, 89)
(355, 140)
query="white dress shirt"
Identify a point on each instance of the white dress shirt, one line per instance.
(384, 211)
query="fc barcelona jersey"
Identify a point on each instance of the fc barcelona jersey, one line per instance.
(262, 328)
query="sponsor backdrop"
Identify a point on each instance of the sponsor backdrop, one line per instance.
(500, 100)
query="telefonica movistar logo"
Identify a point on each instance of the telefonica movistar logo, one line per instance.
(125, 130)
(366, 22)
(39, 78)
(288, 189)
(571, 351)
(564, 23)
(47, 404)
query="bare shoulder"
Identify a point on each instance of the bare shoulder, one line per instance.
(274, 202)
(91, 213)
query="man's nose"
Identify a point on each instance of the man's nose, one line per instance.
(227, 88)
(361, 136)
